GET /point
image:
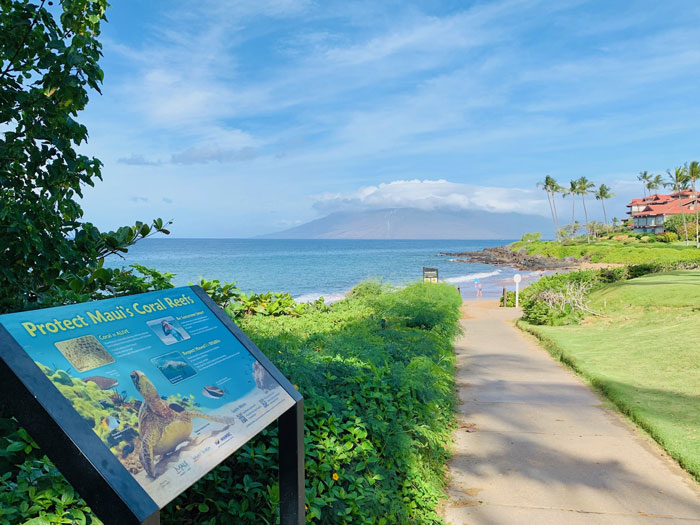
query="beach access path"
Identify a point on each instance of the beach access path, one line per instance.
(536, 445)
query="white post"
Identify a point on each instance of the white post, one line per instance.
(517, 278)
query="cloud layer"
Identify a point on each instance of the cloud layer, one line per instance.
(434, 195)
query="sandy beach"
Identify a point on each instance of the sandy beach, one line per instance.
(493, 289)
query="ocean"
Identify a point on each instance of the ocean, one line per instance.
(309, 269)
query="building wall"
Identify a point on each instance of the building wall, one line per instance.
(649, 224)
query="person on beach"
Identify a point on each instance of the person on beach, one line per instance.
(478, 290)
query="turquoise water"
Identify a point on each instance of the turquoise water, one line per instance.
(308, 269)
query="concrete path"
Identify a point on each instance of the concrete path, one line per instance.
(536, 446)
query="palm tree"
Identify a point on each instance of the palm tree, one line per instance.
(549, 185)
(602, 194)
(679, 181)
(583, 188)
(555, 189)
(693, 171)
(571, 191)
(655, 183)
(644, 177)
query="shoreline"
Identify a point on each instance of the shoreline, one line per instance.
(492, 289)
(520, 260)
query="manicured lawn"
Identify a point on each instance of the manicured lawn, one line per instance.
(644, 354)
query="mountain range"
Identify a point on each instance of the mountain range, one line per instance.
(411, 223)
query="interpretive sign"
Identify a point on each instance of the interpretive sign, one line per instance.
(430, 275)
(151, 391)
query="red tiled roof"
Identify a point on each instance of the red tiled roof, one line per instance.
(659, 199)
(672, 207)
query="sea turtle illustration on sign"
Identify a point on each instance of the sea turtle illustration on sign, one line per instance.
(163, 426)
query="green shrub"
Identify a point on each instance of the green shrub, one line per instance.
(536, 309)
(369, 288)
(510, 299)
(534, 300)
(379, 410)
(668, 237)
(675, 224)
(530, 237)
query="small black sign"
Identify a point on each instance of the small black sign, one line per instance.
(430, 275)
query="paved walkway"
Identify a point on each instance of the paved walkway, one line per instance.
(536, 446)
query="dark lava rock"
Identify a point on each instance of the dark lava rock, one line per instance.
(505, 256)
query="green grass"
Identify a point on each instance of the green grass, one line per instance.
(610, 251)
(642, 353)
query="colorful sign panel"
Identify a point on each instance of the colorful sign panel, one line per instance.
(430, 275)
(166, 386)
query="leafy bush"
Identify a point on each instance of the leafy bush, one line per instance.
(675, 224)
(530, 237)
(557, 299)
(510, 299)
(425, 307)
(378, 413)
(370, 288)
(667, 237)
(379, 410)
(561, 298)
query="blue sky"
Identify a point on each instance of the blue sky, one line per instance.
(242, 118)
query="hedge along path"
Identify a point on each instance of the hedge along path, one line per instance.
(536, 445)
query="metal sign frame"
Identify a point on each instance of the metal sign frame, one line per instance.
(101, 480)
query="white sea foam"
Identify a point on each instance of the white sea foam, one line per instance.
(328, 298)
(470, 277)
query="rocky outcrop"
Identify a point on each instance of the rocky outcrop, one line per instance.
(505, 256)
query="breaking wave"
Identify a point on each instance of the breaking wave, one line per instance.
(470, 277)
(328, 298)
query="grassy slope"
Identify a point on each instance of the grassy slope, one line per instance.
(643, 354)
(610, 251)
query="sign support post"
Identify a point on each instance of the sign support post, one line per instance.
(517, 278)
(291, 463)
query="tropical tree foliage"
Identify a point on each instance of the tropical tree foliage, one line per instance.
(551, 187)
(644, 177)
(693, 171)
(602, 194)
(654, 183)
(49, 62)
(678, 180)
(584, 187)
(571, 192)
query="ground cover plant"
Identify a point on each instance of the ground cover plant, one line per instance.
(641, 353)
(626, 250)
(377, 373)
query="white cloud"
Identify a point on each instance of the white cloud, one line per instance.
(434, 195)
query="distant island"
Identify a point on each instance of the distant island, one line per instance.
(411, 223)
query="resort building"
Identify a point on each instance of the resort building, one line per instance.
(650, 213)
